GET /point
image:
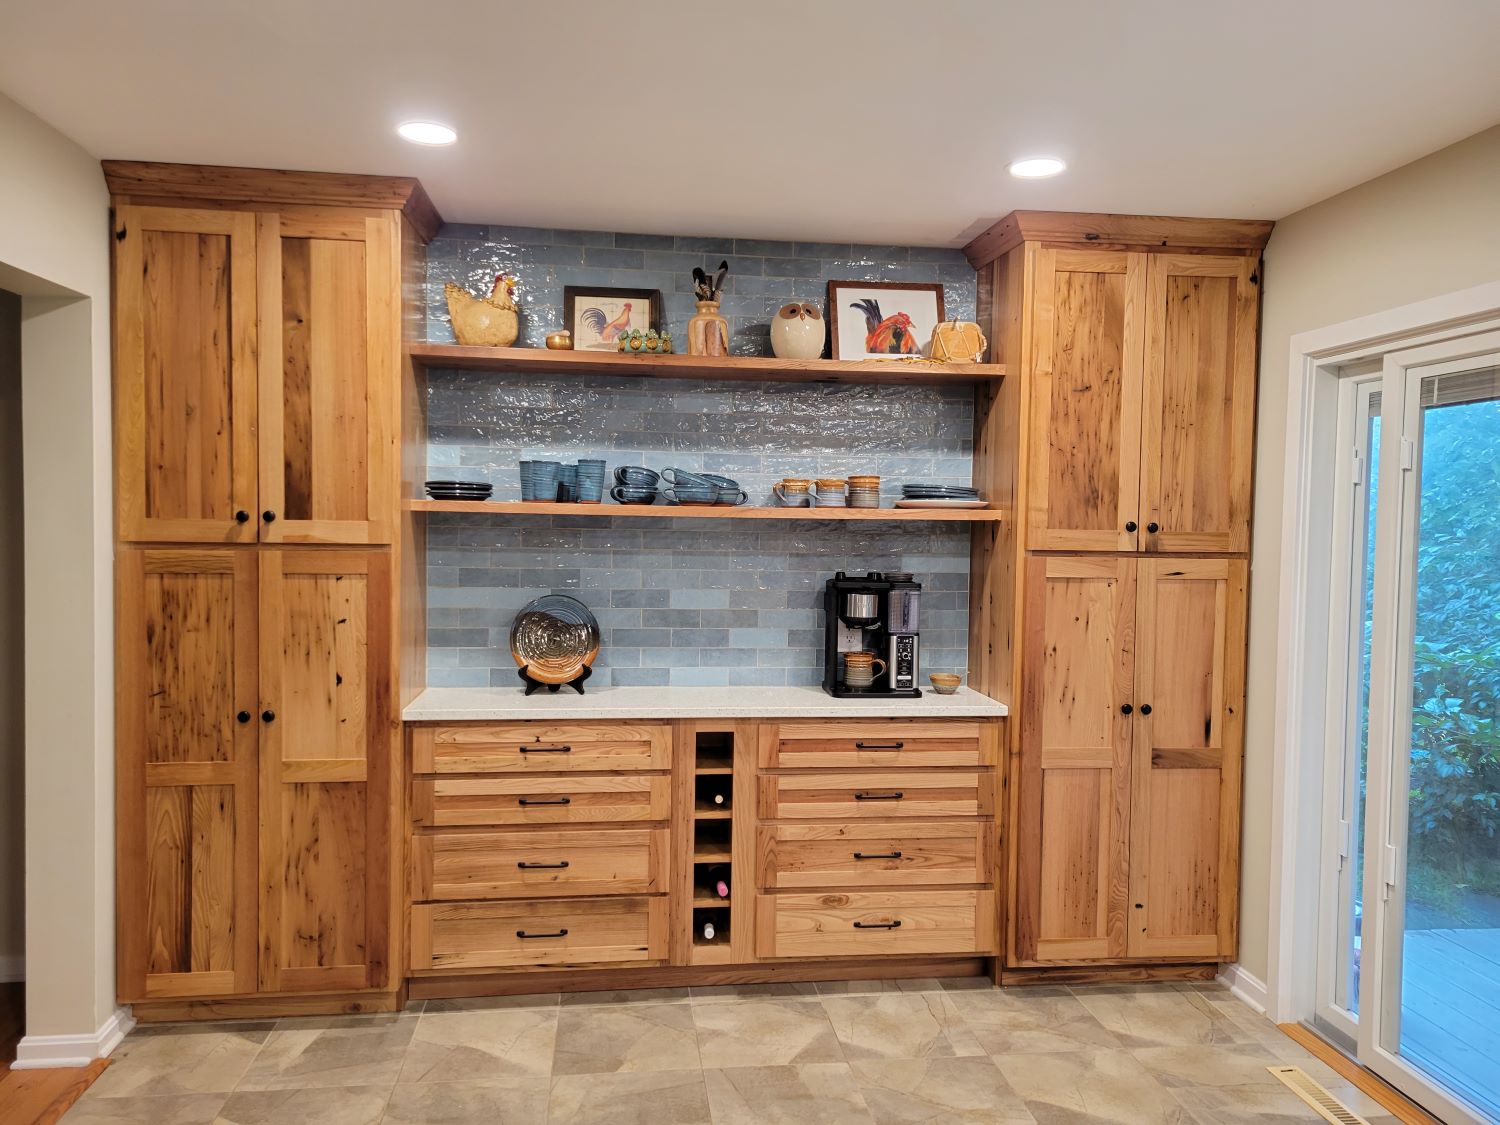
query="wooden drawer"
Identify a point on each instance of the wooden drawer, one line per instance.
(874, 854)
(540, 747)
(868, 923)
(584, 931)
(884, 794)
(836, 743)
(447, 802)
(515, 864)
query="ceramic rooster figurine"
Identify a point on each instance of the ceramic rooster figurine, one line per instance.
(490, 321)
(891, 335)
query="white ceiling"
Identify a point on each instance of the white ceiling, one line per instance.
(866, 120)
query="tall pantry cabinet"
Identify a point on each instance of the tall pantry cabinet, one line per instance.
(1123, 442)
(258, 333)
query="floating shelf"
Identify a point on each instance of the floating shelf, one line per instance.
(704, 511)
(753, 368)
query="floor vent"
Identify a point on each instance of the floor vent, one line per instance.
(1328, 1106)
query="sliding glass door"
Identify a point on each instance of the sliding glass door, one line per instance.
(1409, 972)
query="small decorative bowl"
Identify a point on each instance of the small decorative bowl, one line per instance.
(560, 341)
(945, 683)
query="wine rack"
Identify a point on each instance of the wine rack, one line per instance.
(712, 869)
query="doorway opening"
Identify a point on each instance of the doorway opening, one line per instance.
(12, 686)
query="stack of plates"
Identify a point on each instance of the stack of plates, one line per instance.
(919, 495)
(458, 490)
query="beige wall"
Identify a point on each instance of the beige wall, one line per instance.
(54, 252)
(12, 655)
(1429, 228)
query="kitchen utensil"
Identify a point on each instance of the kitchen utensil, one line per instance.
(633, 494)
(553, 639)
(860, 670)
(792, 493)
(636, 474)
(730, 492)
(567, 484)
(706, 493)
(945, 683)
(684, 477)
(860, 610)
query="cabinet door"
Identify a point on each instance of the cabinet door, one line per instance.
(1199, 408)
(326, 793)
(1088, 329)
(185, 773)
(1185, 818)
(329, 346)
(185, 374)
(1074, 803)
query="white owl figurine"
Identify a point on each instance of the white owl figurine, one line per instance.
(797, 332)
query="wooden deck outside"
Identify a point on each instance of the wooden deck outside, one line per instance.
(1450, 1009)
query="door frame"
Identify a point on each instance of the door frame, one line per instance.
(1317, 359)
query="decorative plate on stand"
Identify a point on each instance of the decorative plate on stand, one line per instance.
(554, 640)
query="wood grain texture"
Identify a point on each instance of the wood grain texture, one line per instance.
(875, 794)
(1156, 232)
(875, 854)
(544, 932)
(1107, 974)
(541, 747)
(564, 799)
(1368, 1081)
(706, 511)
(1198, 415)
(42, 1097)
(838, 743)
(185, 311)
(269, 1006)
(863, 923)
(466, 865)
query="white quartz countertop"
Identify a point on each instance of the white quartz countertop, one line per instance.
(467, 704)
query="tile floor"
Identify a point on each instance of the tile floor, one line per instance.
(860, 1052)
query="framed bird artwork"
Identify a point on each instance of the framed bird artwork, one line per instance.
(597, 316)
(882, 319)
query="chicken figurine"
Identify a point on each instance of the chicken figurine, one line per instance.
(492, 321)
(890, 335)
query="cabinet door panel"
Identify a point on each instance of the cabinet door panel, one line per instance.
(327, 378)
(186, 772)
(185, 379)
(326, 770)
(1088, 315)
(1072, 881)
(1184, 868)
(1199, 405)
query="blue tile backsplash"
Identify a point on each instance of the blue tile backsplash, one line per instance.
(683, 602)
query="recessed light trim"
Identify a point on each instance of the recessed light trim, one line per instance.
(1037, 167)
(426, 133)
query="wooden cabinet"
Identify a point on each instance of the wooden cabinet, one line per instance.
(1143, 401)
(875, 923)
(1129, 779)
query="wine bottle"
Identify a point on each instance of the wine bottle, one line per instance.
(716, 878)
(718, 798)
(708, 931)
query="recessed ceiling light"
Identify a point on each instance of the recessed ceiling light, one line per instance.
(427, 133)
(1036, 167)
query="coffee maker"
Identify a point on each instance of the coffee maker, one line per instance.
(877, 614)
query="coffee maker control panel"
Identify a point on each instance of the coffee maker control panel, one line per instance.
(903, 670)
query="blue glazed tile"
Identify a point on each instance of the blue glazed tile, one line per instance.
(764, 247)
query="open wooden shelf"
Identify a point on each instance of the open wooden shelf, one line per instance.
(704, 897)
(756, 368)
(714, 771)
(711, 853)
(704, 511)
(702, 810)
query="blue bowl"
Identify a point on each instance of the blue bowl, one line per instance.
(707, 493)
(628, 494)
(637, 475)
(683, 478)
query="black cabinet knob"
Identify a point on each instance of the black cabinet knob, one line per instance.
(268, 715)
(1145, 708)
(1126, 708)
(268, 515)
(1130, 525)
(1153, 527)
(242, 516)
(243, 716)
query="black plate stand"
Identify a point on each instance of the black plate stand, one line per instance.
(576, 683)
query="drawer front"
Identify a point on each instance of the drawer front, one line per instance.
(540, 747)
(469, 865)
(447, 802)
(870, 923)
(488, 935)
(874, 854)
(882, 795)
(842, 742)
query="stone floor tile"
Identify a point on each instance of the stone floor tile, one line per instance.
(625, 1037)
(765, 1033)
(1160, 1018)
(1243, 1105)
(1081, 1087)
(625, 996)
(492, 1003)
(1031, 1021)
(181, 1059)
(172, 1109)
(825, 1093)
(364, 1054)
(899, 1025)
(968, 1091)
(664, 1097)
(967, 984)
(719, 993)
(482, 1044)
(868, 987)
(503, 1101)
(335, 1105)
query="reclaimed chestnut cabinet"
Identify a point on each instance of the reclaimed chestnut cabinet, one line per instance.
(1129, 784)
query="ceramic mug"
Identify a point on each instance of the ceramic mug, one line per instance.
(632, 494)
(792, 492)
(706, 493)
(636, 475)
(859, 668)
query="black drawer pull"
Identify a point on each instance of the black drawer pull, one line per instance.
(546, 749)
(525, 801)
(878, 796)
(879, 745)
(524, 866)
(524, 936)
(877, 855)
(896, 925)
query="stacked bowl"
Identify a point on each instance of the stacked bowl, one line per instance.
(689, 488)
(458, 490)
(635, 484)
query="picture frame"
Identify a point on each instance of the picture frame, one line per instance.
(597, 314)
(856, 332)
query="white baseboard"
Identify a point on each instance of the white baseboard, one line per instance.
(12, 967)
(38, 1052)
(1246, 987)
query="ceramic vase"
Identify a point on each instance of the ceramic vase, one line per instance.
(797, 337)
(708, 332)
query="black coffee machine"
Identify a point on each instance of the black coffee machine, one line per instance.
(875, 614)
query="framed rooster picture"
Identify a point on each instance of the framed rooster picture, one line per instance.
(597, 316)
(882, 319)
